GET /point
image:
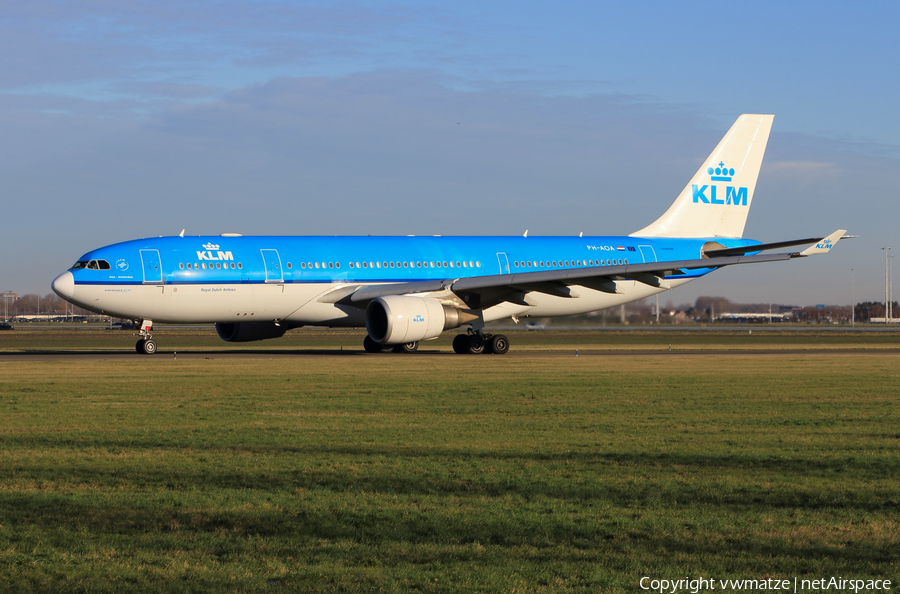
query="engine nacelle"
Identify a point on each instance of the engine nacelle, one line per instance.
(249, 331)
(398, 319)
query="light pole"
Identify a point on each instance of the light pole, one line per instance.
(852, 301)
(887, 284)
(891, 288)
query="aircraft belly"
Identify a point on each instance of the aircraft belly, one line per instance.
(123, 301)
(194, 303)
(588, 300)
(315, 313)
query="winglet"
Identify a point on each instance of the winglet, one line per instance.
(825, 244)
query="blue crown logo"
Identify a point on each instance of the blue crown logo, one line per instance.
(720, 173)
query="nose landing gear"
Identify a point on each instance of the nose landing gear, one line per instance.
(146, 345)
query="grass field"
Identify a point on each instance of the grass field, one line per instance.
(446, 473)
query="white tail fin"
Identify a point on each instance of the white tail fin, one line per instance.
(716, 201)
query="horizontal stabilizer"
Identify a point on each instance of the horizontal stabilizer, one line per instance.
(825, 244)
(761, 247)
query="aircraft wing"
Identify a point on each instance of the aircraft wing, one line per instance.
(486, 291)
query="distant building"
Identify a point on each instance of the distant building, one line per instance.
(758, 318)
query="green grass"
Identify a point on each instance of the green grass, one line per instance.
(446, 474)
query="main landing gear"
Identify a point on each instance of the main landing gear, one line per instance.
(373, 347)
(146, 345)
(471, 344)
(476, 344)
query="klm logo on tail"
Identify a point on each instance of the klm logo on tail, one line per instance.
(735, 196)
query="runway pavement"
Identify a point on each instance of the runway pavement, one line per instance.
(87, 355)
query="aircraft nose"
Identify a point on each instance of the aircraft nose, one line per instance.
(64, 285)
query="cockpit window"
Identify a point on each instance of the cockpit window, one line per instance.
(91, 265)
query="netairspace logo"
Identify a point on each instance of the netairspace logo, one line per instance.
(701, 584)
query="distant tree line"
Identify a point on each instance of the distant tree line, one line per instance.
(33, 304)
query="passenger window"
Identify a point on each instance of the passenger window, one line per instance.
(392, 264)
(181, 266)
(240, 265)
(204, 265)
(457, 263)
(477, 264)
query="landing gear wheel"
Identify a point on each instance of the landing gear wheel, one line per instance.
(461, 344)
(499, 344)
(139, 346)
(409, 347)
(373, 347)
(475, 345)
(149, 347)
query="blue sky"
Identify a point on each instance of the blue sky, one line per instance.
(132, 119)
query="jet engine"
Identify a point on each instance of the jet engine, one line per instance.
(249, 331)
(398, 319)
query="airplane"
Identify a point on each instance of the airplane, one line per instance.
(404, 290)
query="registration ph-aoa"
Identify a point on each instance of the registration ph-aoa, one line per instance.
(404, 290)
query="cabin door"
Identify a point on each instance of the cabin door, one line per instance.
(504, 262)
(152, 268)
(648, 253)
(274, 272)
